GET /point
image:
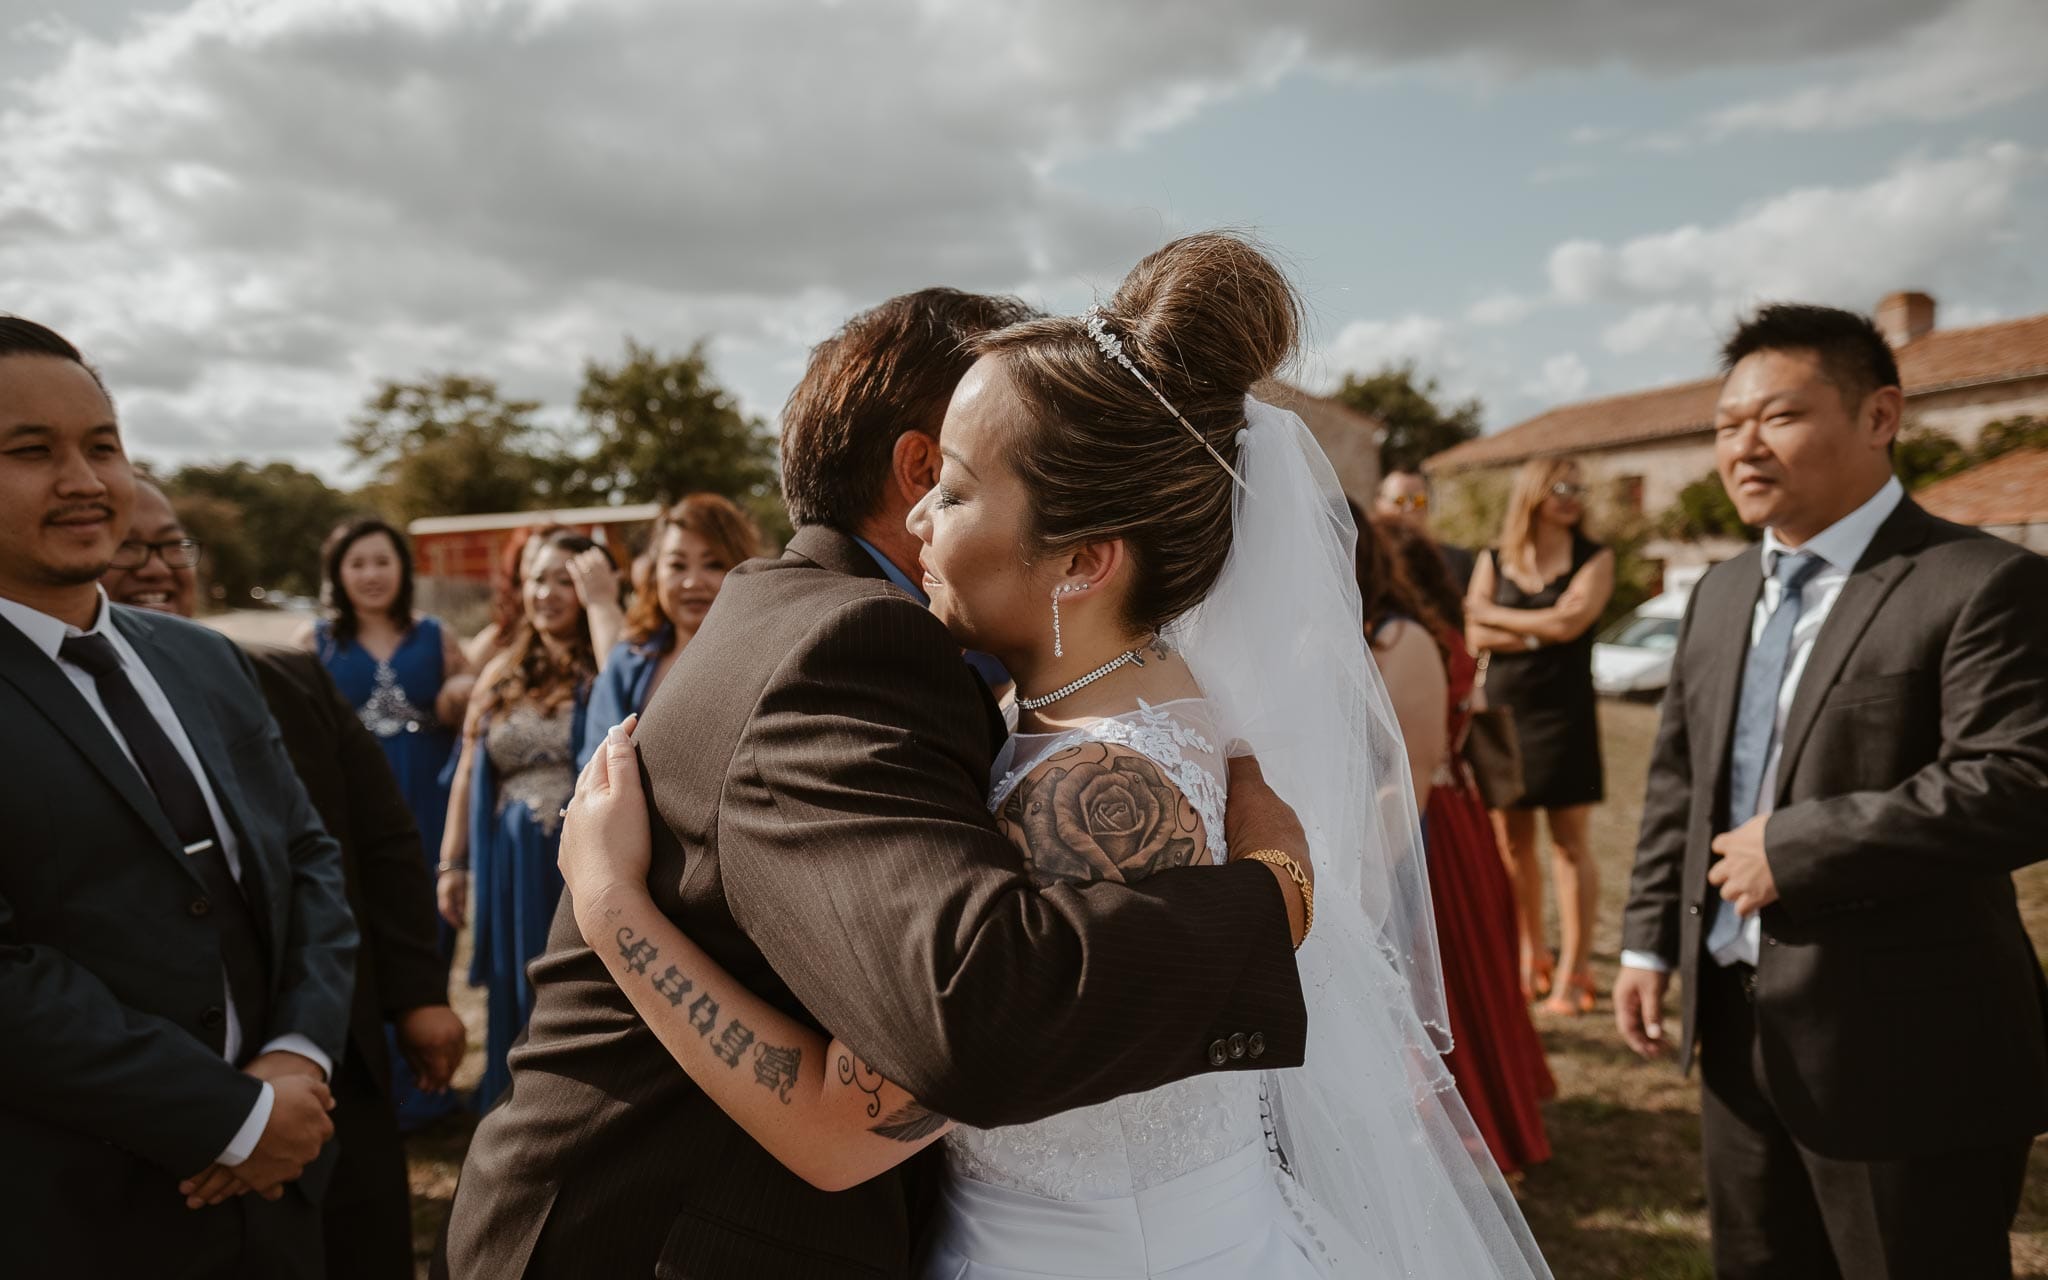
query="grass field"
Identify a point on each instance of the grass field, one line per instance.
(1622, 1198)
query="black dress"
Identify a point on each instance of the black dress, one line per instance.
(1551, 693)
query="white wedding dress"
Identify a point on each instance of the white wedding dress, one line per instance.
(1177, 1182)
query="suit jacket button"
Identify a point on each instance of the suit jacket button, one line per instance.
(1693, 910)
(214, 1018)
(1237, 1045)
(198, 907)
(1219, 1053)
(1258, 1044)
(1770, 942)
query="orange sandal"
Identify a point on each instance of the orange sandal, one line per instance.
(1577, 997)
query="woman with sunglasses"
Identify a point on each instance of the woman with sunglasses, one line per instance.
(1531, 608)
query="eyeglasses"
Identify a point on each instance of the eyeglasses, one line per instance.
(1409, 502)
(177, 553)
(1566, 489)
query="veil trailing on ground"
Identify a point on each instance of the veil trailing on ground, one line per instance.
(1383, 1164)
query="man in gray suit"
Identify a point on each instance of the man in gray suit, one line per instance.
(176, 951)
(1853, 760)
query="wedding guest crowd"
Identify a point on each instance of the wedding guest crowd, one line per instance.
(1530, 611)
(1497, 1060)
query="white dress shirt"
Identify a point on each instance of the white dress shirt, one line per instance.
(48, 634)
(1840, 548)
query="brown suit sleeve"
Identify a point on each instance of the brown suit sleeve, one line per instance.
(1651, 921)
(1977, 809)
(858, 854)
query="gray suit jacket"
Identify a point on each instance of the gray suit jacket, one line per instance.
(818, 761)
(1899, 1004)
(112, 1084)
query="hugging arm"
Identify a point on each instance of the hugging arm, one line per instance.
(857, 852)
(809, 1100)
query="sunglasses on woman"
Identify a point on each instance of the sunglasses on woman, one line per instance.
(1566, 489)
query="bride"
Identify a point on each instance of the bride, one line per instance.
(1163, 563)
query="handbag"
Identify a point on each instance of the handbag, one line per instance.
(1494, 750)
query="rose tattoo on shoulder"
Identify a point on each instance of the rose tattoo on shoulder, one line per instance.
(1101, 812)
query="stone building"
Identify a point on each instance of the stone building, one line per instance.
(1640, 449)
(2007, 496)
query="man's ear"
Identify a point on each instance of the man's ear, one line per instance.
(1885, 415)
(914, 466)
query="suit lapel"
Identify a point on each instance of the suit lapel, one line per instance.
(197, 718)
(44, 684)
(1725, 620)
(1874, 578)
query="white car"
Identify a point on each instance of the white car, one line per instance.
(1634, 655)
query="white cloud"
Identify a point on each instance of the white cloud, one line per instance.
(1364, 346)
(1564, 377)
(249, 212)
(1661, 326)
(1982, 54)
(1925, 223)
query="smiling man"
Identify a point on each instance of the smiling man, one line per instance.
(1851, 764)
(175, 948)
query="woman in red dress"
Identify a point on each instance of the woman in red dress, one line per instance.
(1498, 1060)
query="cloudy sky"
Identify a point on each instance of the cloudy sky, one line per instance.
(248, 211)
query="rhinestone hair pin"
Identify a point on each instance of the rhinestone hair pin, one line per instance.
(1113, 348)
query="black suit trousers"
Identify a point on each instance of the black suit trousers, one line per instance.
(1780, 1211)
(366, 1215)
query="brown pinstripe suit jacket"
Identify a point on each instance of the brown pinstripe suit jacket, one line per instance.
(818, 761)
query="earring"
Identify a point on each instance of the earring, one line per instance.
(1063, 589)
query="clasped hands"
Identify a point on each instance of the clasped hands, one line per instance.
(298, 1127)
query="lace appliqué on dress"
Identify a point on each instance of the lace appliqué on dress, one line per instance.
(530, 755)
(388, 712)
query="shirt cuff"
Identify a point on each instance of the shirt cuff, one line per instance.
(1645, 960)
(293, 1042)
(243, 1144)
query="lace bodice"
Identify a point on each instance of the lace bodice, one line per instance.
(1121, 1147)
(530, 755)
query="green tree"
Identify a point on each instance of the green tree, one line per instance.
(262, 525)
(1418, 422)
(1922, 455)
(657, 427)
(451, 445)
(1703, 509)
(2008, 434)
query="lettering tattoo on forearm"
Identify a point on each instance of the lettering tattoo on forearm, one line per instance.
(911, 1122)
(776, 1067)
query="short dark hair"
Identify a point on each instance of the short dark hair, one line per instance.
(1852, 352)
(346, 624)
(888, 370)
(22, 337)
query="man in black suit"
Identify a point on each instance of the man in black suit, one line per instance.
(366, 1214)
(1404, 495)
(175, 945)
(818, 765)
(1852, 762)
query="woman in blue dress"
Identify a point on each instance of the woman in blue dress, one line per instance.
(516, 772)
(406, 677)
(695, 543)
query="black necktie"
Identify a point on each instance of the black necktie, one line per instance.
(177, 791)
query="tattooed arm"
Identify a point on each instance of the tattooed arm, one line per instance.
(1099, 811)
(810, 1101)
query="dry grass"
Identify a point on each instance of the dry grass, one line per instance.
(1622, 1199)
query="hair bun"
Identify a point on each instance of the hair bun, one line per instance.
(1208, 314)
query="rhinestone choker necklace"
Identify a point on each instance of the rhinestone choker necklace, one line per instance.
(1128, 657)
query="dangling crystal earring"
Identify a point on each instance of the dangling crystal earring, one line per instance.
(1063, 589)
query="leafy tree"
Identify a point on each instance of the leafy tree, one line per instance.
(1703, 509)
(262, 525)
(1922, 455)
(2009, 434)
(657, 427)
(451, 445)
(1418, 423)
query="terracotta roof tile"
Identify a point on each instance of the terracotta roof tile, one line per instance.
(1938, 360)
(2008, 490)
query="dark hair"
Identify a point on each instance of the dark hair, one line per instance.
(335, 596)
(711, 517)
(22, 337)
(888, 370)
(1421, 562)
(1852, 351)
(1204, 318)
(1385, 593)
(531, 669)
